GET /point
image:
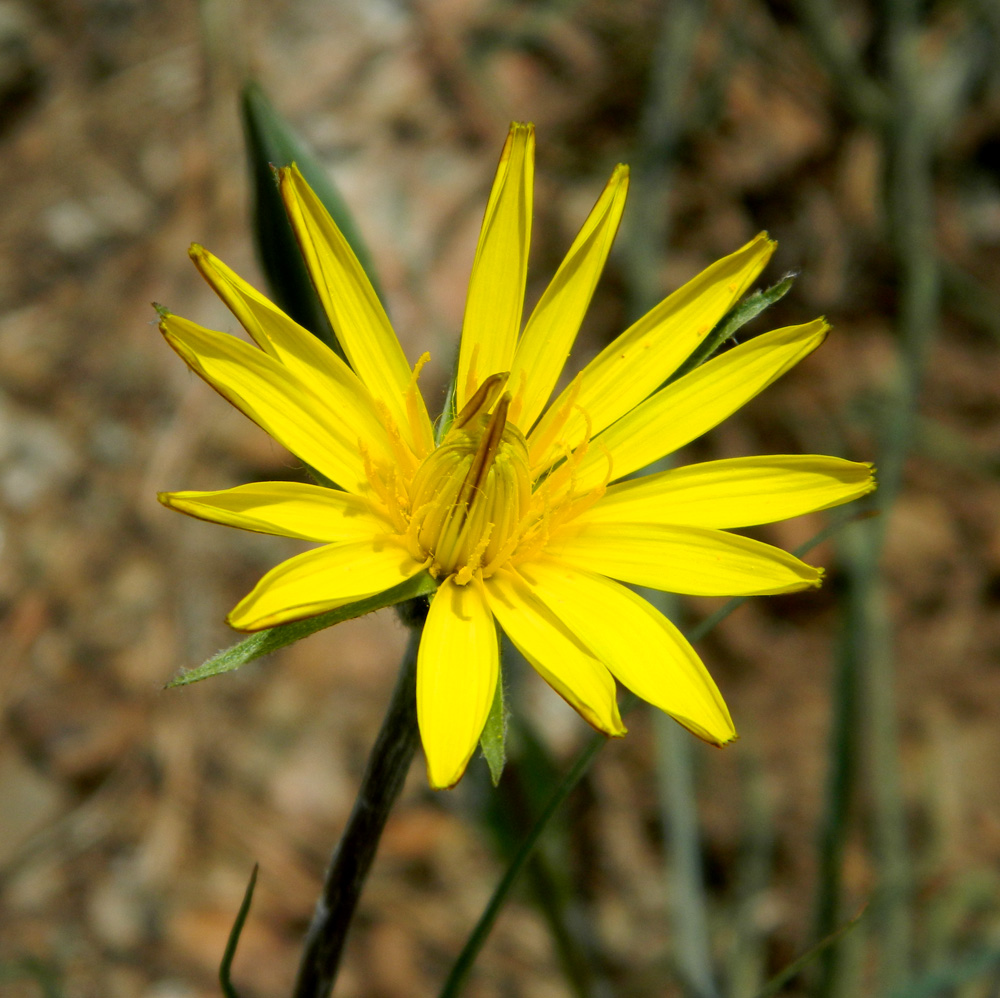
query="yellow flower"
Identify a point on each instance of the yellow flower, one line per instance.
(512, 510)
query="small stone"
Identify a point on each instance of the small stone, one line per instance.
(30, 802)
(72, 227)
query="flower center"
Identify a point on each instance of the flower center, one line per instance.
(469, 495)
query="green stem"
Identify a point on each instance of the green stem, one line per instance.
(837, 805)
(676, 780)
(463, 965)
(388, 765)
(909, 197)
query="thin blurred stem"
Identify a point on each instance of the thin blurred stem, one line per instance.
(388, 765)
(909, 195)
(747, 960)
(662, 124)
(835, 822)
(822, 24)
(865, 685)
(675, 769)
(575, 962)
(909, 200)
(463, 965)
(509, 816)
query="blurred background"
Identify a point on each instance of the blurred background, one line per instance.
(864, 136)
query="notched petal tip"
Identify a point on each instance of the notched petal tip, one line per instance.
(765, 237)
(288, 175)
(734, 737)
(873, 482)
(715, 739)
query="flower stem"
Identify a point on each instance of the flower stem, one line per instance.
(388, 765)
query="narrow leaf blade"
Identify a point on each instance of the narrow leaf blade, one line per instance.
(734, 321)
(271, 142)
(225, 968)
(270, 640)
(493, 740)
(797, 966)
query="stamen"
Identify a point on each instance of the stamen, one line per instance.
(518, 404)
(486, 452)
(539, 444)
(375, 480)
(400, 449)
(418, 428)
(465, 573)
(470, 494)
(481, 402)
(470, 379)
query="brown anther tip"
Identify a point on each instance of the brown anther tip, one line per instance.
(482, 401)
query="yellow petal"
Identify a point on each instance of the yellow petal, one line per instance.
(735, 492)
(274, 399)
(692, 405)
(496, 287)
(323, 579)
(553, 325)
(289, 509)
(558, 656)
(457, 669)
(352, 306)
(306, 356)
(647, 353)
(637, 643)
(695, 561)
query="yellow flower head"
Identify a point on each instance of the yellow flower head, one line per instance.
(518, 510)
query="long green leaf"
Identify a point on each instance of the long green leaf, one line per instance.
(463, 965)
(272, 142)
(265, 642)
(796, 967)
(226, 966)
(733, 321)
